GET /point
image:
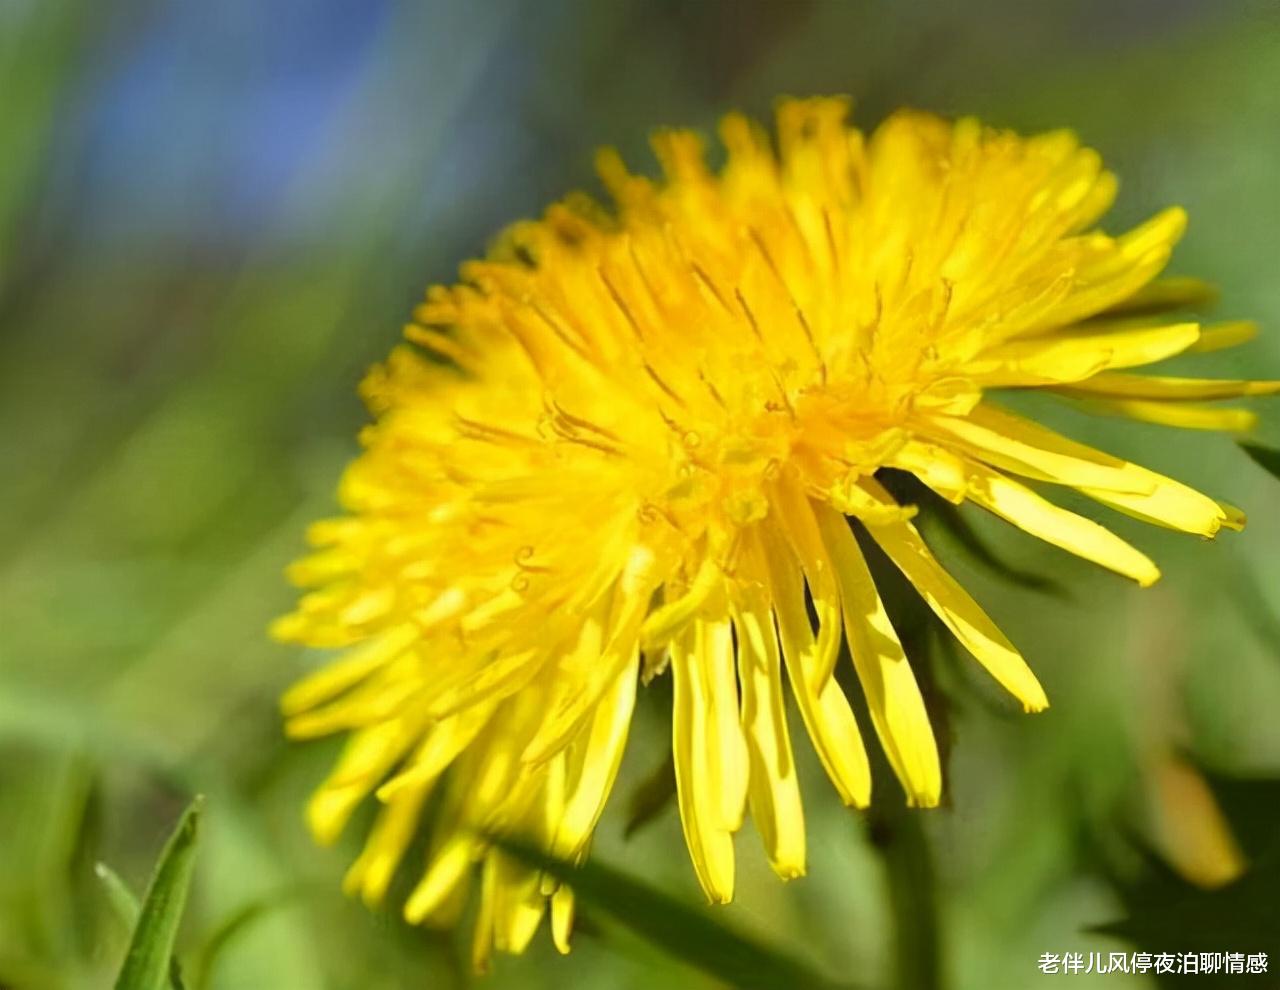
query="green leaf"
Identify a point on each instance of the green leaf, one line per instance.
(1264, 457)
(679, 930)
(149, 964)
(124, 903)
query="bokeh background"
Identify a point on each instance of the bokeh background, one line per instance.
(214, 216)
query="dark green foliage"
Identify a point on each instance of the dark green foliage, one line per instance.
(1265, 457)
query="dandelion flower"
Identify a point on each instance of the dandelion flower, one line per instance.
(629, 442)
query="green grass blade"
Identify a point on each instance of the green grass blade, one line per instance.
(149, 963)
(677, 929)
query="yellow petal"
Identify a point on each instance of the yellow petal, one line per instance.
(379, 698)
(334, 678)
(825, 710)
(1157, 387)
(1132, 261)
(562, 918)
(727, 749)
(710, 846)
(371, 874)
(1075, 534)
(961, 614)
(794, 518)
(893, 697)
(849, 498)
(1136, 491)
(1183, 415)
(518, 903)
(1221, 336)
(1173, 505)
(1015, 444)
(602, 747)
(367, 755)
(447, 872)
(774, 791)
(937, 467)
(547, 810)
(576, 696)
(500, 787)
(669, 618)
(1078, 353)
(445, 740)
(495, 679)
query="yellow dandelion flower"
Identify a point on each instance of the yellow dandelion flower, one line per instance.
(630, 440)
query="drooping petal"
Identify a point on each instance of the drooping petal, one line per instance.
(370, 875)
(368, 755)
(444, 741)
(952, 604)
(519, 904)
(561, 918)
(774, 790)
(939, 468)
(601, 747)
(795, 519)
(445, 877)
(727, 761)
(669, 618)
(893, 697)
(827, 716)
(577, 696)
(710, 844)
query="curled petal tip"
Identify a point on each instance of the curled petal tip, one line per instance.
(1148, 579)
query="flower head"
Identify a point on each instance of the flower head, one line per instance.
(628, 442)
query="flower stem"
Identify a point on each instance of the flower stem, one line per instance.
(911, 886)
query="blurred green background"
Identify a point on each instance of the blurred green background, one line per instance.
(214, 216)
